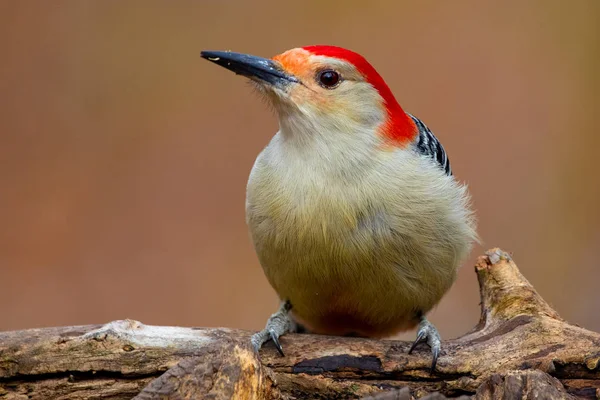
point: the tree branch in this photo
(520, 348)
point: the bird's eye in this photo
(328, 78)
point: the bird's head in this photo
(324, 89)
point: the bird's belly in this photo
(346, 272)
(373, 303)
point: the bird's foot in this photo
(427, 332)
(277, 325)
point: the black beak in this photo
(251, 66)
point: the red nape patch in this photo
(399, 127)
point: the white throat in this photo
(326, 144)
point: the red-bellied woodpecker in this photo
(353, 210)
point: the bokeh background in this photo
(124, 155)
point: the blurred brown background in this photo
(124, 155)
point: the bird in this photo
(357, 220)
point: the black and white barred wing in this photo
(428, 145)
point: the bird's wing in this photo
(428, 145)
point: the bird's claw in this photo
(277, 325)
(427, 332)
(275, 339)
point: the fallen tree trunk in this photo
(521, 348)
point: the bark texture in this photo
(521, 349)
